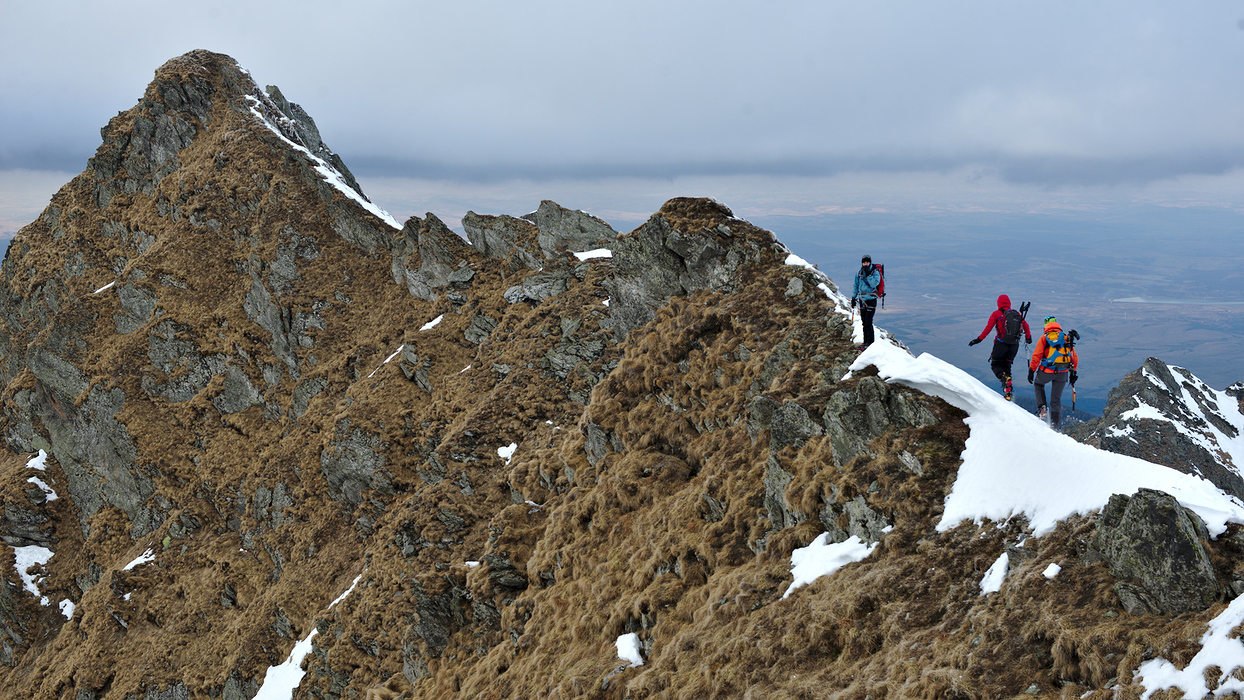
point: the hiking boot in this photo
(1006, 387)
(1043, 412)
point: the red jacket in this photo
(1038, 353)
(997, 321)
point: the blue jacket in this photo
(866, 284)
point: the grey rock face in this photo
(440, 253)
(23, 526)
(353, 463)
(57, 373)
(501, 237)
(599, 443)
(538, 287)
(791, 427)
(1185, 401)
(173, 352)
(97, 455)
(657, 261)
(238, 393)
(304, 392)
(854, 416)
(479, 329)
(570, 353)
(571, 231)
(438, 616)
(166, 122)
(137, 306)
(861, 521)
(1152, 539)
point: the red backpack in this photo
(881, 284)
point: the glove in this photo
(853, 300)
(1028, 340)
(1031, 374)
(1074, 377)
(973, 341)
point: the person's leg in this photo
(1000, 361)
(1058, 380)
(1039, 386)
(997, 361)
(867, 310)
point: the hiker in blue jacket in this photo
(865, 296)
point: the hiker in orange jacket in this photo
(1054, 362)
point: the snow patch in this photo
(507, 452)
(991, 582)
(67, 608)
(1051, 571)
(628, 649)
(280, 681)
(39, 461)
(387, 360)
(820, 559)
(47, 490)
(143, 558)
(592, 254)
(471, 564)
(26, 557)
(1217, 649)
(431, 324)
(103, 288)
(1014, 465)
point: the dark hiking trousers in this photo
(1056, 380)
(868, 309)
(1001, 358)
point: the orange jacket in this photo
(1038, 353)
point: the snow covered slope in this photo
(1014, 465)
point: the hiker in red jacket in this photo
(1008, 323)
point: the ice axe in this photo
(1072, 337)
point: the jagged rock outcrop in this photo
(1167, 415)
(271, 411)
(1152, 539)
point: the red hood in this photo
(1004, 302)
(1053, 326)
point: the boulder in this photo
(568, 230)
(1153, 540)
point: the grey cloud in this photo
(1119, 92)
(1046, 171)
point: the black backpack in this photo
(1014, 326)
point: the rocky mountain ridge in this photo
(1169, 416)
(452, 468)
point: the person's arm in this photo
(993, 321)
(1027, 333)
(1037, 354)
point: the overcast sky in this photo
(1048, 96)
